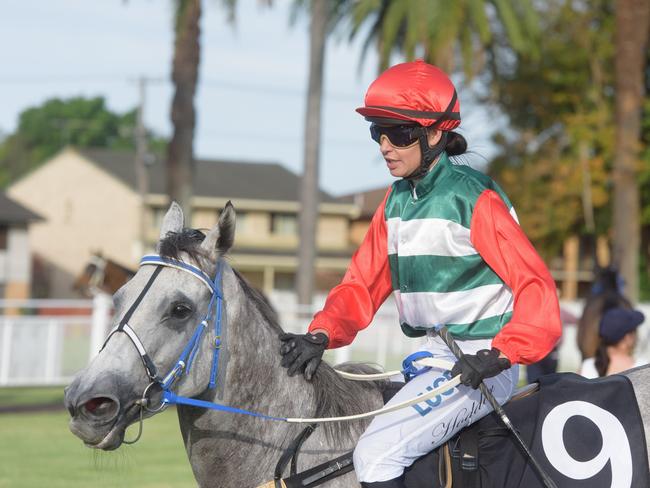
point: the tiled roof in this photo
(212, 178)
(12, 212)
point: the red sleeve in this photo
(535, 326)
(351, 305)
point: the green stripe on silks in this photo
(488, 328)
(440, 274)
(449, 191)
(403, 206)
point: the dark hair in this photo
(456, 144)
(602, 358)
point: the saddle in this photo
(455, 463)
(585, 433)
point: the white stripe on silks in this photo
(437, 237)
(514, 214)
(426, 309)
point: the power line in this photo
(207, 83)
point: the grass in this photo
(13, 396)
(38, 450)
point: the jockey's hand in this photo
(302, 353)
(474, 368)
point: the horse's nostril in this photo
(100, 407)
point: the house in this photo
(91, 203)
(15, 256)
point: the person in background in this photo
(618, 338)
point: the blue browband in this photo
(186, 358)
(156, 260)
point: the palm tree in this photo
(432, 29)
(308, 215)
(632, 22)
(324, 15)
(185, 71)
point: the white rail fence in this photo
(45, 342)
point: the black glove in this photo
(474, 368)
(302, 353)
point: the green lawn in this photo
(12, 396)
(38, 450)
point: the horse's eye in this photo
(180, 311)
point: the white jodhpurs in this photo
(394, 441)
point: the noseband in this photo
(186, 358)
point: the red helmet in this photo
(415, 92)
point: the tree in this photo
(632, 25)
(324, 16)
(433, 29)
(185, 69)
(308, 215)
(563, 125)
(45, 129)
(185, 72)
(556, 162)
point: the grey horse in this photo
(224, 449)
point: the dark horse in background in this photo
(102, 275)
(606, 293)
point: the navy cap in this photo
(617, 322)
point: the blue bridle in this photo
(185, 360)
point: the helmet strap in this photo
(429, 153)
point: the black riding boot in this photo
(394, 483)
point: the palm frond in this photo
(510, 23)
(479, 19)
(393, 21)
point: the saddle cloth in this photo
(585, 433)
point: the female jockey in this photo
(445, 241)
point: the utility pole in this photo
(141, 153)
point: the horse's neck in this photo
(242, 450)
(251, 378)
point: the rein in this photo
(214, 313)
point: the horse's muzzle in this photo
(97, 417)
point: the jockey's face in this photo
(402, 161)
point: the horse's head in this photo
(158, 317)
(101, 275)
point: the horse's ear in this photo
(222, 236)
(173, 221)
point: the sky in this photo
(252, 82)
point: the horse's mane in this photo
(335, 396)
(186, 241)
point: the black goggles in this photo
(398, 135)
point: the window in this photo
(4, 231)
(284, 224)
(245, 225)
(157, 216)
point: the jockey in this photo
(446, 242)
